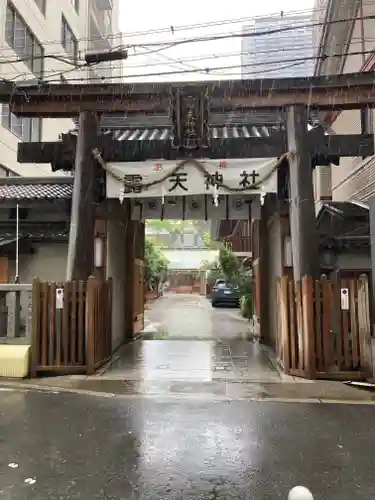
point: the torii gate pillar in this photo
(301, 193)
(81, 261)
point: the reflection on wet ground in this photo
(193, 342)
(189, 360)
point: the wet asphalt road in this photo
(87, 447)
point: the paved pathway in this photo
(192, 317)
(70, 447)
(191, 341)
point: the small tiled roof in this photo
(162, 134)
(222, 125)
(53, 231)
(23, 188)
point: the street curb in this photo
(185, 397)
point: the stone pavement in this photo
(190, 316)
(57, 446)
(188, 340)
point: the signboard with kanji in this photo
(250, 176)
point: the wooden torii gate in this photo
(198, 103)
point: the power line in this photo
(172, 62)
(36, 58)
(206, 71)
(189, 27)
(193, 40)
(284, 29)
(186, 60)
(212, 38)
(186, 27)
(206, 57)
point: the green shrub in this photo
(246, 303)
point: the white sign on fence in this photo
(345, 299)
(59, 298)
(189, 180)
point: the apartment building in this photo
(288, 53)
(354, 178)
(32, 31)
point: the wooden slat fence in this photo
(321, 335)
(99, 323)
(72, 335)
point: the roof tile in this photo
(35, 191)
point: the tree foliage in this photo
(214, 272)
(229, 264)
(156, 265)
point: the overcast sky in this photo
(150, 15)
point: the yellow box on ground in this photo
(14, 360)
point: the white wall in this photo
(189, 259)
(48, 263)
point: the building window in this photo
(68, 40)
(23, 41)
(27, 129)
(42, 6)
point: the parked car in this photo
(225, 294)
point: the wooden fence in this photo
(71, 326)
(324, 328)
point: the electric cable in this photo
(223, 68)
(189, 27)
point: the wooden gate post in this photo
(307, 286)
(35, 328)
(91, 324)
(284, 348)
(364, 325)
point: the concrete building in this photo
(34, 29)
(354, 179)
(278, 49)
